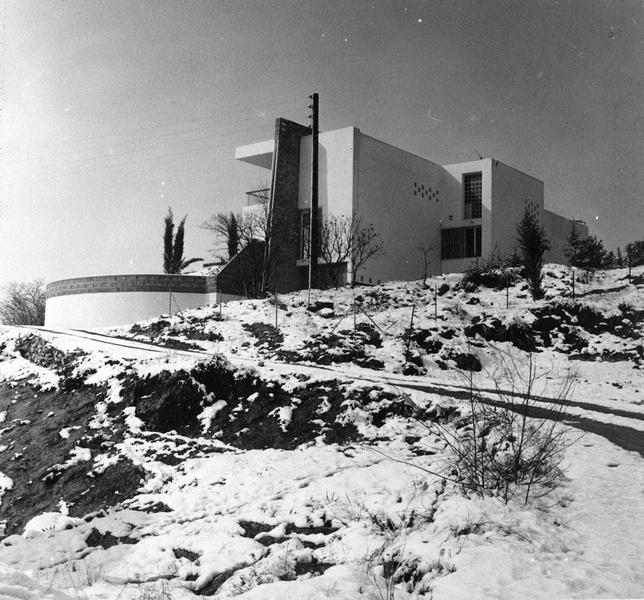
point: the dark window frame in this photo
(461, 242)
(472, 195)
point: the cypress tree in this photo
(173, 261)
(167, 242)
(177, 249)
(233, 236)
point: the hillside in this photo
(264, 449)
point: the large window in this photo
(473, 195)
(461, 242)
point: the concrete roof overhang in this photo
(259, 154)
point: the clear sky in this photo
(114, 110)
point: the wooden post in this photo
(220, 304)
(313, 224)
(435, 304)
(573, 283)
(275, 310)
(411, 325)
(507, 290)
(353, 291)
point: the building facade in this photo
(462, 213)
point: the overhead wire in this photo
(263, 106)
(139, 161)
(151, 137)
(154, 146)
(153, 149)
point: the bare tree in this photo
(335, 247)
(426, 249)
(235, 231)
(246, 236)
(346, 240)
(258, 224)
(24, 303)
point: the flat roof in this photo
(259, 154)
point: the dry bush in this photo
(511, 445)
(24, 303)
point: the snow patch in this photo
(209, 413)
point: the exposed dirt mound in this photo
(42, 433)
(252, 413)
(492, 329)
(494, 278)
(40, 352)
(166, 402)
(342, 347)
(268, 337)
(161, 331)
(566, 324)
(556, 314)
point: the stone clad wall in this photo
(112, 300)
(283, 246)
(132, 283)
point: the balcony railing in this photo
(257, 197)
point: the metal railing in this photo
(257, 196)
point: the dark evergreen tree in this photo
(533, 244)
(177, 247)
(167, 242)
(589, 254)
(572, 248)
(635, 253)
(232, 228)
(173, 260)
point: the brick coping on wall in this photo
(102, 284)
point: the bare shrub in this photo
(511, 445)
(24, 303)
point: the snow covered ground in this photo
(349, 518)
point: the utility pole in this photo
(313, 224)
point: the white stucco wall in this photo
(453, 209)
(512, 192)
(558, 230)
(80, 311)
(387, 178)
(335, 171)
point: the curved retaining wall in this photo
(123, 299)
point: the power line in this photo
(147, 128)
(135, 151)
(153, 136)
(148, 159)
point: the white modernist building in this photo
(465, 212)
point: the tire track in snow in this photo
(626, 437)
